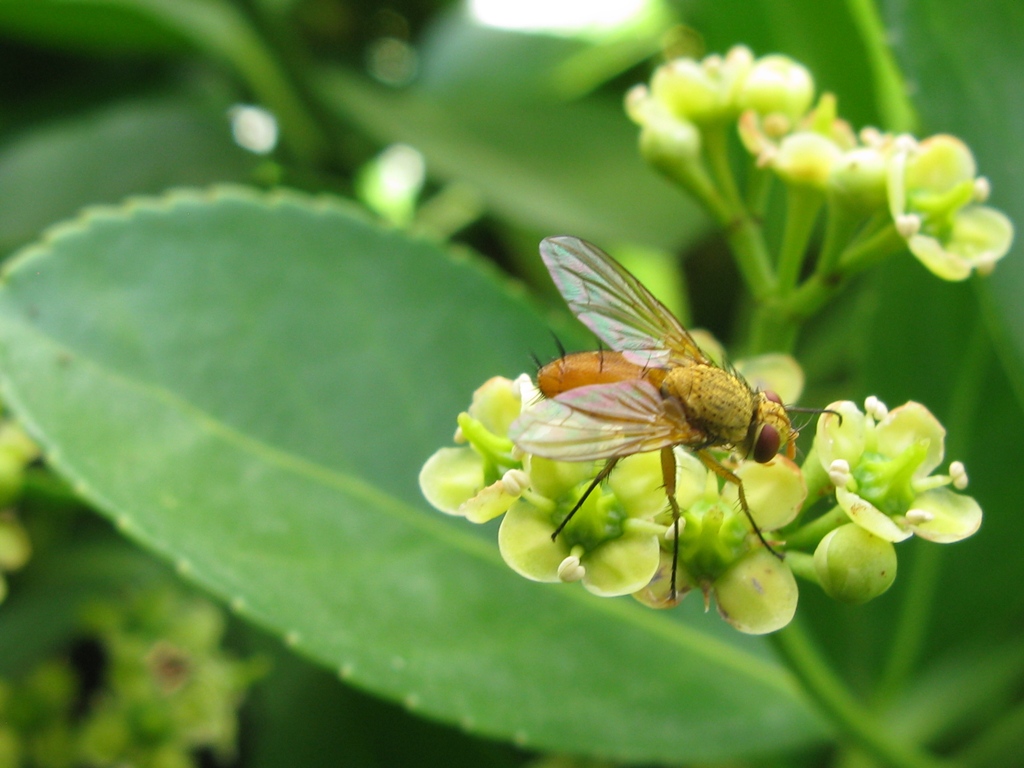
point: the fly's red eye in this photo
(769, 395)
(767, 445)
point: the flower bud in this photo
(777, 84)
(858, 179)
(854, 566)
(15, 547)
(704, 91)
(758, 594)
(806, 158)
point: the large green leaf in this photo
(249, 384)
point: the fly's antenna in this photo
(798, 409)
(536, 361)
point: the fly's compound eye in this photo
(767, 444)
(769, 395)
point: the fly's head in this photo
(770, 429)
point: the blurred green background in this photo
(509, 127)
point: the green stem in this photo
(810, 297)
(894, 105)
(840, 225)
(802, 566)
(802, 206)
(716, 148)
(870, 251)
(743, 233)
(746, 240)
(771, 331)
(811, 533)
(835, 700)
(759, 189)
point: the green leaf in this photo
(94, 27)
(135, 147)
(248, 385)
(300, 715)
(552, 166)
(218, 28)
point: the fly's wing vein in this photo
(616, 306)
(602, 421)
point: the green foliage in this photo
(247, 382)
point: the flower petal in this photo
(777, 372)
(496, 404)
(869, 517)
(906, 426)
(491, 502)
(622, 566)
(981, 236)
(638, 484)
(775, 491)
(524, 540)
(451, 477)
(954, 516)
(758, 594)
(840, 438)
(939, 261)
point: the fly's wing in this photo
(601, 421)
(616, 306)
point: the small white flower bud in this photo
(982, 189)
(571, 569)
(514, 482)
(871, 136)
(839, 473)
(905, 143)
(908, 225)
(958, 474)
(875, 408)
(459, 437)
(918, 516)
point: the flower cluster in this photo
(927, 193)
(623, 541)
(168, 691)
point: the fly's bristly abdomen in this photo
(581, 369)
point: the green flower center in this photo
(887, 481)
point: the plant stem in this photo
(810, 297)
(894, 105)
(810, 534)
(831, 695)
(742, 231)
(802, 566)
(802, 206)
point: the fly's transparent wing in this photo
(601, 421)
(615, 305)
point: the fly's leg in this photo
(668, 475)
(605, 471)
(715, 466)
